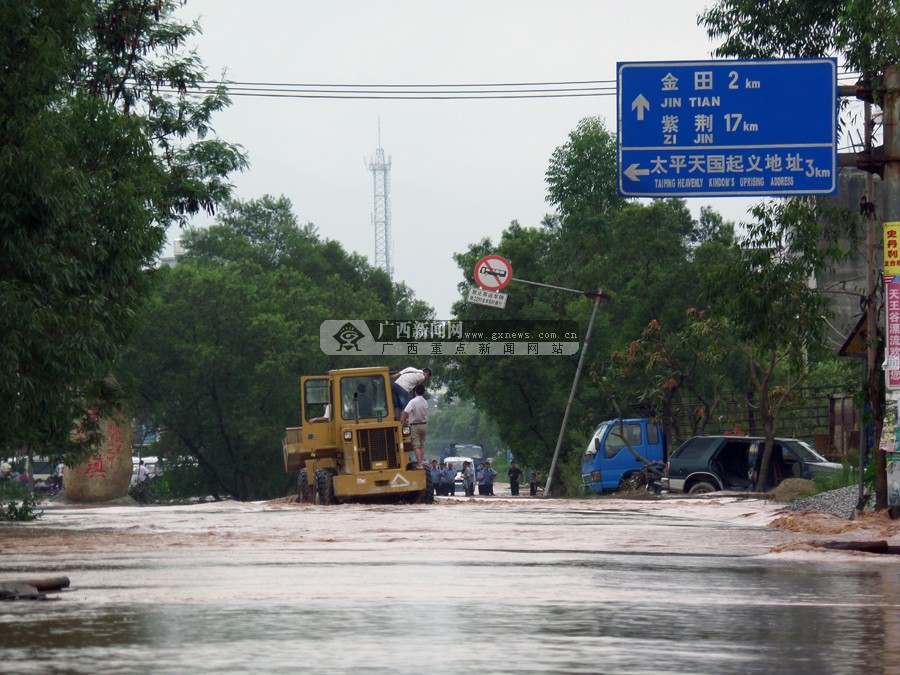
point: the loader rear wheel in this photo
(325, 488)
(303, 490)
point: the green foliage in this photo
(837, 480)
(460, 422)
(96, 159)
(231, 329)
(864, 32)
(645, 257)
(668, 370)
(579, 183)
(182, 481)
(21, 509)
(760, 287)
(657, 347)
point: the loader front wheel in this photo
(325, 487)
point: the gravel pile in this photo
(839, 503)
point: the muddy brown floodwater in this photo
(465, 585)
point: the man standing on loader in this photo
(404, 383)
(415, 415)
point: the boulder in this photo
(792, 488)
(105, 475)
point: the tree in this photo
(864, 33)
(95, 162)
(580, 183)
(761, 288)
(460, 422)
(641, 255)
(233, 326)
(666, 371)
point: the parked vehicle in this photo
(612, 458)
(351, 446)
(470, 451)
(457, 462)
(714, 463)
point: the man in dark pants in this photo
(489, 474)
(514, 474)
(450, 480)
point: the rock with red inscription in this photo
(105, 475)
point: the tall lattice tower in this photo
(381, 218)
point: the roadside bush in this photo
(835, 481)
(21, 510)
(570, 468)
(180, 482)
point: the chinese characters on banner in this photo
(357, 337)
(892, 300)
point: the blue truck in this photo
(610, 459)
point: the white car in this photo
(457, 463)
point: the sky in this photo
(461, 170)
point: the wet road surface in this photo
(464, 585)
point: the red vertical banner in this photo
(892, 301)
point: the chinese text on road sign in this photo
(727, 128)
(489, 298)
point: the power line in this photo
(418, 91)
(411, 86)
(409, 92)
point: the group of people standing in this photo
(408, 392)
(443, 477)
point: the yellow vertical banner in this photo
(891, 250)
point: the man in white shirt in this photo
(142, 472)
(404, 383)
(468, 479)
(415, 414)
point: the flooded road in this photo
(464, 585)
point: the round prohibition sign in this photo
(493, 273)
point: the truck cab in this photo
(350, 445)
(613, 454)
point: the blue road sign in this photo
(728, 128)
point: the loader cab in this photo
(318, 412)
(364, 397)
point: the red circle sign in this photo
(493, 273)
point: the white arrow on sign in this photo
(633, 172)
(642, 105)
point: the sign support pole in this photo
(598, 296)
